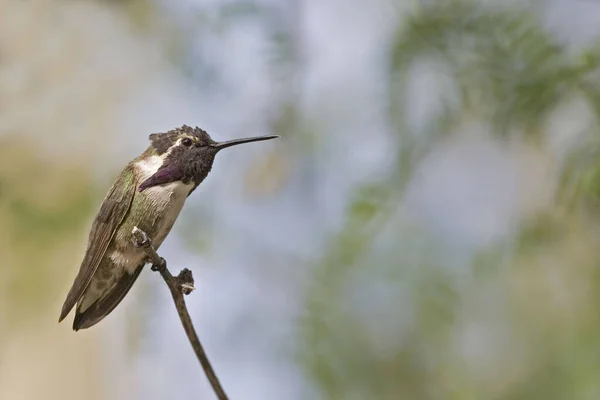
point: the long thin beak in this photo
(235, 142)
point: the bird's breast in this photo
(165, 202)
(160, 205)
(154, 211)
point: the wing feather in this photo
(112, 212)
(105, 305)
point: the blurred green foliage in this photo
(531, 300)
(43, 204)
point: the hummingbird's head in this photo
(188, 154)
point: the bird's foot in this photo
(140, 238)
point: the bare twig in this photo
(180, 285)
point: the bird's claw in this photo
(140, 238)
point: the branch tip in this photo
(178, 286)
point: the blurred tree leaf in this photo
(512, 74)
(511, 71)
(42, 207)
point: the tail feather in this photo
(107, 303)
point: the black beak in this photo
(235, 142)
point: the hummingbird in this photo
(149, 193)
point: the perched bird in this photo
(149, 193)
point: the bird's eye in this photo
(187, 142)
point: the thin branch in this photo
(180, 285)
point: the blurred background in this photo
(427, 227)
